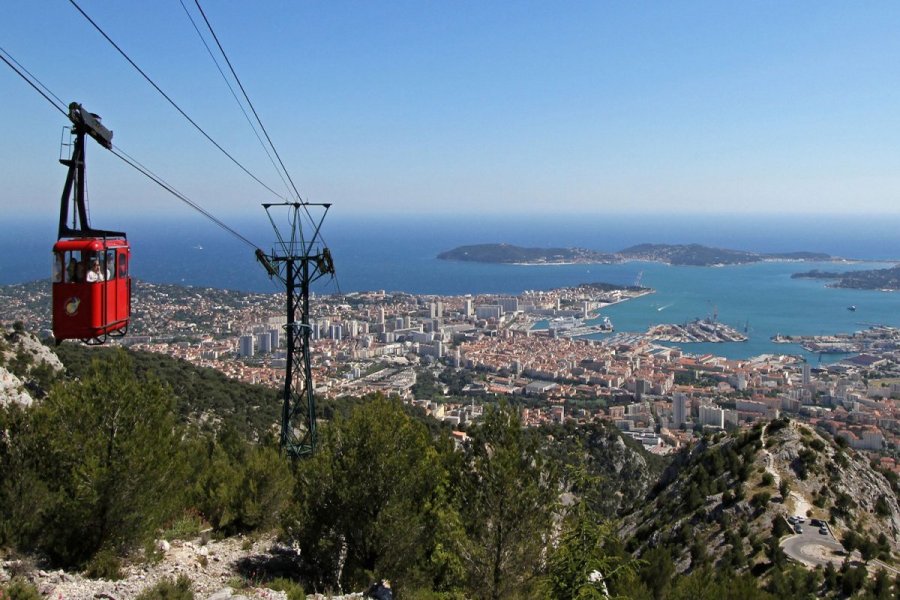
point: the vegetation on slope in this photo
(109, 461)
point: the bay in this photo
(398, 253)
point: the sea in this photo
(398, 252)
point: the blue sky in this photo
(463, 107)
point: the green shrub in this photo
(19, 589)
(98, 467)
(241, 487)
(186, 527)
(293, 589)
(104, 565)
(760, 499)
(169, 590)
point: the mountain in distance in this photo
(673, 254)
(507, 253)
(872, 279)
(699, 255)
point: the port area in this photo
(700, 330)
(875, 338)
(572, 312)
(573, 328)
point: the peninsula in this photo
(673, 254)
(509, 254)
(874, 279)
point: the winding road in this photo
(810, 547)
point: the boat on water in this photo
(852, 308)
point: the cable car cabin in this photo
(91, 289)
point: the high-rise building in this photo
(245, 349)
(679, 408)
(509, 305)
(488, 311)
(264, 342)
(275, 338)
(469, 307)
(807, 371)
(712, 416)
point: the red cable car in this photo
(91, 285)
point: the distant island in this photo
(673, 254)
(874, 279)
(509, 254)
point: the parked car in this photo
(823, 530)
(798, 529)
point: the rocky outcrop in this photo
(12, 390)
(212, 568)
(731, 483)
(25, 364)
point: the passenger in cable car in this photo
(71, 270)
(95, 274)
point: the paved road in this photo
(813, 548)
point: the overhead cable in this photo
(263, 127)
(33, 82)
(246, 97)
(235, 96)
(172, 102)
(124, 157)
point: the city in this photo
(516, 347)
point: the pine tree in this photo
(99, 460)
(367, 501)
(509, 499)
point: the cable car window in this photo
(123, 265)
(109, 265)
(58, 270)
(94, 269)
(74, 267)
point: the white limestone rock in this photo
(12, 390)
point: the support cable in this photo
(235, 96)
(119, 153)
(34, 82)
(308, 246)
(46, 93)
(247, 98)
(172, 102)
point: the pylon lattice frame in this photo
(298, 263)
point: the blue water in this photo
(397, 253)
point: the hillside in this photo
(698, 255)
(507, 253)
(390, 493)
(203, 395)
(674, 254)
(724, 502)
(871, 279)
(27, 368)
(626, 472)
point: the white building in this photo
(712, 416)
